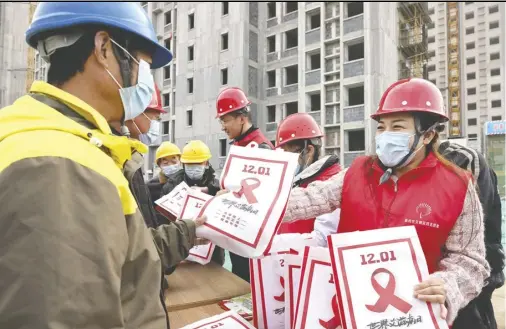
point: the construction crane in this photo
(31, 52)
(455, 128)
(414, 18)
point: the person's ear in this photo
(310, 151)
(103, 48)
(428, 137)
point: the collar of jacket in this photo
(240, 138)
(28, 114)
(316, 167)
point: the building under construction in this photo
(455, 129)
(413, 54)
(30, 72)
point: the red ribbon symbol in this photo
(387, 294)
(335, 321)
(247, 190)
(281, 298)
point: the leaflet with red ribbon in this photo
(245, 220)
(292, 275)
(227, 320)
(317, 304)
(268, 282)
(170, 205)
(377, 271)
(192, 205)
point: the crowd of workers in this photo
(82, 245)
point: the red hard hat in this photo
(229, 100)
(156, 101)
(297, 126)
(412, 95)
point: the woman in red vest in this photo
(409, 183)
(299, 133)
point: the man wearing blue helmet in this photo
(74, 249)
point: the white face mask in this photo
(194, 172)
(136, 98)
(153, 133)
(170, 169)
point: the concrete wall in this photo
(205, 69)
(381, 58)
(13, 51)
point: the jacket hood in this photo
(29, 114)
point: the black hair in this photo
(301, 144)
(241, 112)
(66, 62)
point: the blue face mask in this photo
(153, 133)
(171, 169)
(136, 98)
(392, 147)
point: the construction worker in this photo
(75, 251)
(408, 182)
(173, 239)
(198, 173)
(299, 133)
(234, 114)
(168, 161)
(146, 126)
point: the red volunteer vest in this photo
(307, 225)
(255, 136)
(429, 197)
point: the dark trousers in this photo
(478, 314)
(240, 266)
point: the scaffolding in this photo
(414, 17)
(31, 52)
(454, 69)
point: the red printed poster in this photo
(291, 275)
(170, 205)
(268, 283)
(317, 304)
(377, 272)
(192, 205)
(245, 220)
(228, 320)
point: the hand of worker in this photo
(432, 291)
(201, 241)
(199, 221)
(221, 192)
(201, 189)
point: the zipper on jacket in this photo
(387, 215)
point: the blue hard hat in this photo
(125, 16)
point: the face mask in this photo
(300, 168)
(392, 147)
(136, 98)
(195, 172)
(170, 169)
(153, 133)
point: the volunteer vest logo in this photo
(423, 210)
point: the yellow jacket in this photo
(74, 250)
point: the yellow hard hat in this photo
(195, 152)
(166, 149)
